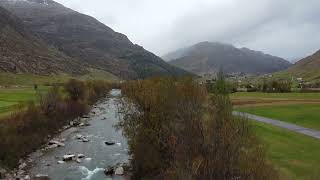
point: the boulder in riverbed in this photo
(41, 177)
(22, 166)
(51, 146)
(85, 139)
(60, 144)
(68, 157)
(80, 156)
(79, 136)
(85, 116)
(78, 160)
(60, 162)
(3, 173)
(109, 171)
(110, 143)
(119, 171)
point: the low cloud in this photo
(286, 28)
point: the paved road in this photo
(291, 127)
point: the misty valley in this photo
(185, 89)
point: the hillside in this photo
(20, 52)
(307, 68)
(208, 57)
(84, 38)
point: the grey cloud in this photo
(286, 28)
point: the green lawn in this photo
(307, 96)
(296, 156)
(31, 79)
(306, 115)
(11, 97)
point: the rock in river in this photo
(2, 173)
(81, 156)
(41, 177)
(68, 157)
(119, 171)
(109, 171)
(60, 144)
(110, 143)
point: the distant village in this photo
(243, 82)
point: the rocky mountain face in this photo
(208, 57)
(308, 67)
(21, 52)
(86, 39)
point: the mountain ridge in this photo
(210, 57)
(91, 42)
(21, 52)
(307, 68)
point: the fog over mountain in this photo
(211, 57)
(287, 28)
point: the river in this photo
(98, 155)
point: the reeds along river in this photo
(98, 155)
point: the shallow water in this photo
(97, 155)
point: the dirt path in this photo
(291, 127)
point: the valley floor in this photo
(11, 98)
(295, 155)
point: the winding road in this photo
(291, 127)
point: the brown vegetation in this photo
(27, 129)
(175, 130)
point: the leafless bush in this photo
(177, 131)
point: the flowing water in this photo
(98, 155)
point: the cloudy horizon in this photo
(288, 28)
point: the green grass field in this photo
(306, 115)
(10, 98)
(295, 156)
(31, 79)
(306, 96)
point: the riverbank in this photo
(91, 156)
(30, 127)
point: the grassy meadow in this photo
(276, 96)
(298, 108)
(296, 156)
(18, 89)
(12, 97)
(306, 115)
(9, 79)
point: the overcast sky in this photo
(285, 28)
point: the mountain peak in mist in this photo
(209, 57)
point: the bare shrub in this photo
(76, 89)
(27, 128)
(177, 131)
(97, 90)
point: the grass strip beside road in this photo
(305, 115)
(295, 155)
(287, 96)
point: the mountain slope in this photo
(307, 68)
(20, 52)
(208, 57)
(83, 37)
